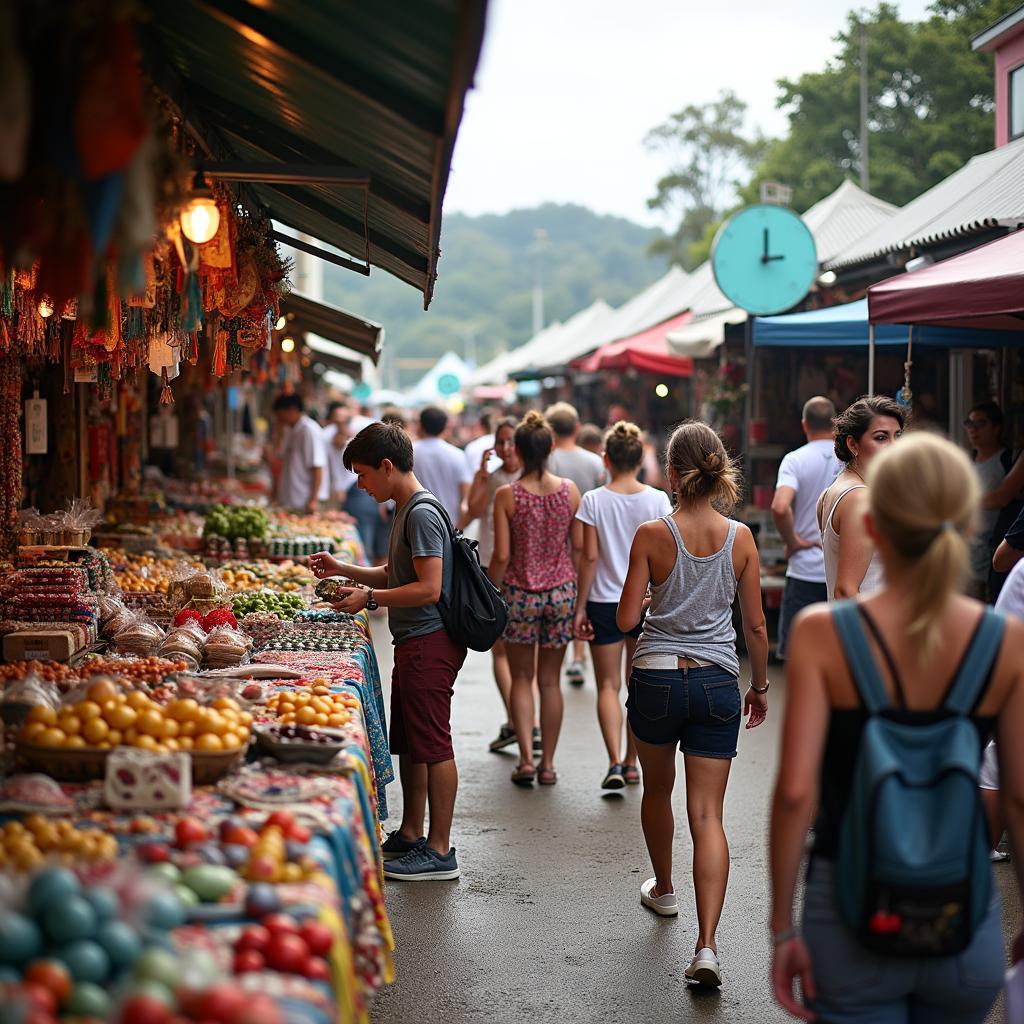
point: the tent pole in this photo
(871, 359)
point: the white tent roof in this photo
(552, 347)
(425, 390)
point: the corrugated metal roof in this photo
(374, 86)
(558, 347)
(840, 219)
(354, 332)
(987, 192)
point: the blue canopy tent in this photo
(847, 326)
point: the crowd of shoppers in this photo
(881, 645)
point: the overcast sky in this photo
(567, 89)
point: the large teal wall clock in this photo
(764, 259)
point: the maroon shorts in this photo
(421, 697)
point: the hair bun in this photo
(713, 464)
(533, 419)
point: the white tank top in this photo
(873, 578)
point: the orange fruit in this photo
(95, 730)
(217, 723)
(121, 716)
(151, 722)
(184, 742)
(172, 745)
(69, 723)
(208, 743)
(336, 721)
(138, 700)
(183, 709)
(170, 728)
(231, 740)
(115, 737)
(86, 709)
(187, 729)
(320, 720)
(101, 690)
(75, 741)
(51, 737)
(30, 732)
(144, 742)
(226, 704)
(42, 713)
(305, 716)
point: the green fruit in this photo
(88, 1000)
(160, 966)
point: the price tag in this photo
(86, 375)
(35, 425)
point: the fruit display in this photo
(139, 670)
(140, 574)
(311, 637)
(316, 705)
(282, 943)
(284, 606)
(234, 521)
(25, 845)
(109, 717)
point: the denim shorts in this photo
(698, 708)
(606, 630)
(856, 986)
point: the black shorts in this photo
(602, 618)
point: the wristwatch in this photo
(757, 691)
(371, 604)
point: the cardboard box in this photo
(40, 645)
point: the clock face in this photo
(764, 259)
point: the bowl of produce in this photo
(284, 606)
(293, 743)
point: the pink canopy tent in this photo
(980, 288)
(647, 352)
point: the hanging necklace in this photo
(856, 472)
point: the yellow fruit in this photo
(170, 728)
(183, 709)
(336, 721)
(231, 740)
(287, 719)
(69, 723)
(75, 741)
(286, 707)
(208, 743)
(305, 716)
(184, 742)
(51, 737)
(187, 729)
(291, 873)
(226, 704)
(245, 719)
(217, 723)
(172, 745)
(144, 742)
(151, 722)
(95, 730)
(101, 690)
(87, 709)
(30, 733)
(42, 713)
(115, 737)
(161, 748)
(138, 700)
(120, 716)
(130, 736)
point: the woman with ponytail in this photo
(918, 630)
(537, 543)
(684, 686)
(863, 431)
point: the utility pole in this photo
(865, 177)
(537, 249)
(469, 346)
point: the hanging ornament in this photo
(166, 395)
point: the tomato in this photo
(254, 937)
(240, 835)
(287, 953)
(277, 923)
(52, 975)
(248, 960)
(317, 936)
(316, 969)
(41, 998)
(284, 820)
(188, 831)
(300, 834)
(144, 1009)
(153, 853)
(220, 1003)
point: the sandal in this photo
(524, 775)
(631, 774)
(547, 777)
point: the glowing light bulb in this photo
(281, 323)
(661, 391)
(287, 344)
(201, 218)
(45, 307)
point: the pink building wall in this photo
(1009, 55)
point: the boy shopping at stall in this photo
(418, 571)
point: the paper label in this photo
(37, 653)
(86, 375)
(35, 426)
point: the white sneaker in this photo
(705, 968)
(666, 905)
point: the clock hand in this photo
(765, 257)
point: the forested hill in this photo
(485, 280)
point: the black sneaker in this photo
(422, 864)
(537, 745)
(505, 738)
(575, 673)
(615, 779)
(398, 846)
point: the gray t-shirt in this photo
(427, 538)
(583, 468)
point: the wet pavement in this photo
(546, 923)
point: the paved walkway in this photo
(545, 924)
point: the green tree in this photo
(708, 153)
(929, 106)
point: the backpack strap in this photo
(428, 499)
(976, 668)
(866, 676)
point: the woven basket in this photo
(82, 764)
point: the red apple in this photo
(220, 1003)
(188, 831)
(40, 997)
(276, 923)
(316, 968)
(300, 834)
(143, 1009)
(259, 1009)
(239, 835)
(248, 960)
(284, 820)
(153, 853)
(287, 953)
(317, 936)
(256, 937)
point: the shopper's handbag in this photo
(474, 612)
(913, 876)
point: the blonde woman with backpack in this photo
(935, 675)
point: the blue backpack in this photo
(913, 876)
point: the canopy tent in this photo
(847, 326)
(353, 111)
(699, 339)
(646, 351)
(982, 288)
(446, 377)
(559, 348)
(354, 332)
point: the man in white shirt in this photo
(803, 475)
(484, 441)
(303, 483)
(440, 466)
(585, 469)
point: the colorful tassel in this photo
(166, 395)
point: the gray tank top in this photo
(691, 612)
